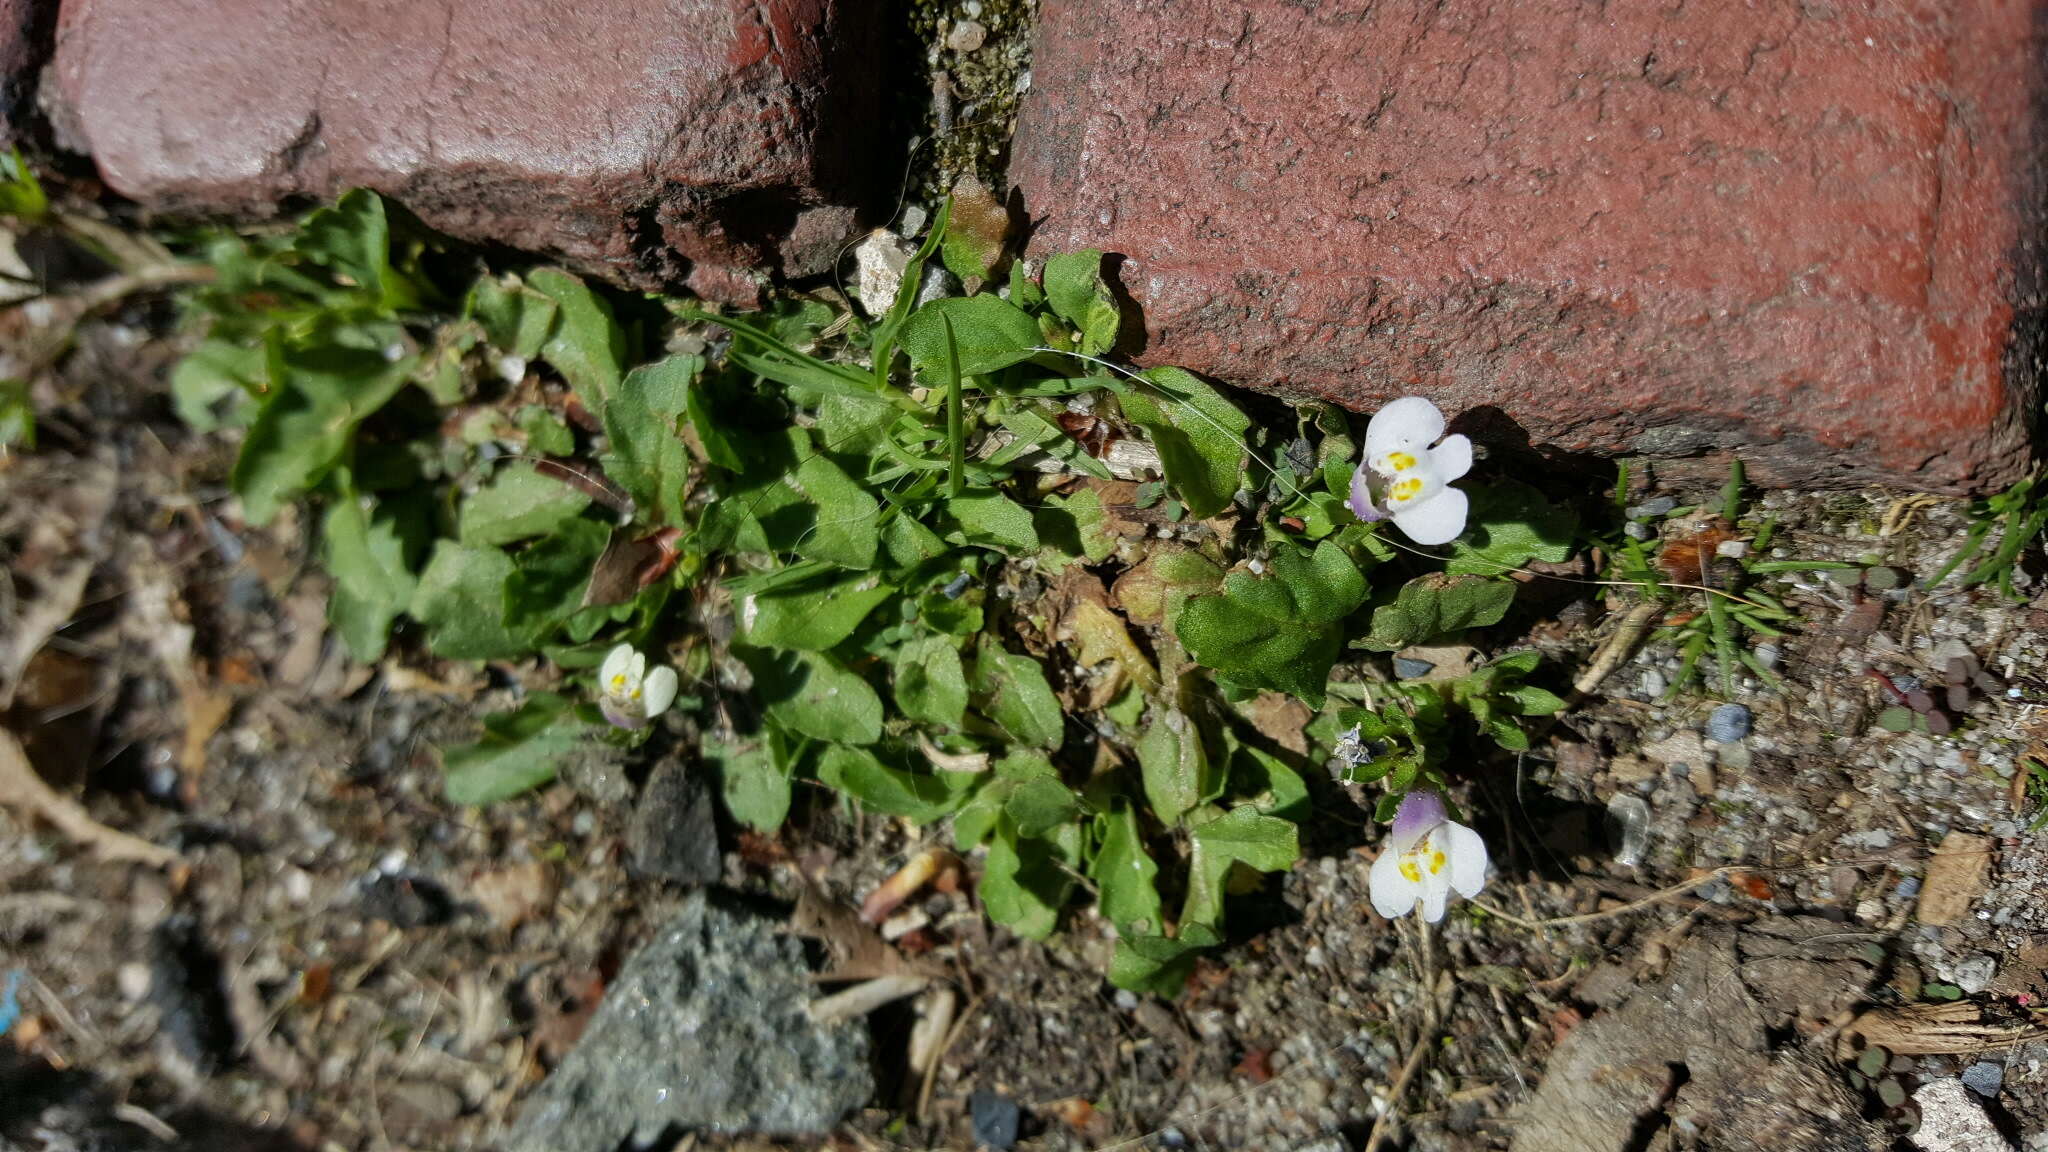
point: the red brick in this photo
(1805, 231)
(645, 139)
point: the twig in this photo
(1632, 906)
(1435, 1011)
(865, 997)
(101, 293)
(21, 788)
(146, 1120)
(67, 1020)
(931, 1072)
(51, 611)
(42, 902)
(1380, 1127)
(1617, 647)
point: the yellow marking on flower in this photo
(1411, 869)
(619, 683)
(1400, 461)
(1436, 861)
(1406, 489)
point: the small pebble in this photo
(1734, 757)
(133, 981)
(996, 1119)
(512, 370)
(1732, 549)
(1656, 507)
(1768, 655)
(1973, 973)
(967, 36)
(1635, 530)
(1729, 724)
(1409, 668)
(1654, 683)
(1984, 1078)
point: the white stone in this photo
(133, 981)
(879, 262)
(1951, 1120)
(967, 36)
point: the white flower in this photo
(629, 694)
(1426, 858)
(1404, 477)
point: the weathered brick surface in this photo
(647, 139)
(1805, 231)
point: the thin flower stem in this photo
(1657, 897)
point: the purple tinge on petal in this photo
(1420, 811)
(1362, 504)
(619, 716)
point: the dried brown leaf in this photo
(857, 949)
(1689, 559)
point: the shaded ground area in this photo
(340, 958)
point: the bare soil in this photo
(338, 958)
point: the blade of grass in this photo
(1731, 492)
(1694, 648)
(1762, 673)
(1724, 642)
(956, 434)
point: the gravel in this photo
(996, 1119)
(1974, 973)
(1984, 1078)
(1409, 668)
(674, 833)
(1729, 724)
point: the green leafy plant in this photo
(2036, 768)
(1404, 741)
(1280, 630)
(2018, 514)
(1716, 603)
(827, 521)
(21, 194)
(17, 415)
